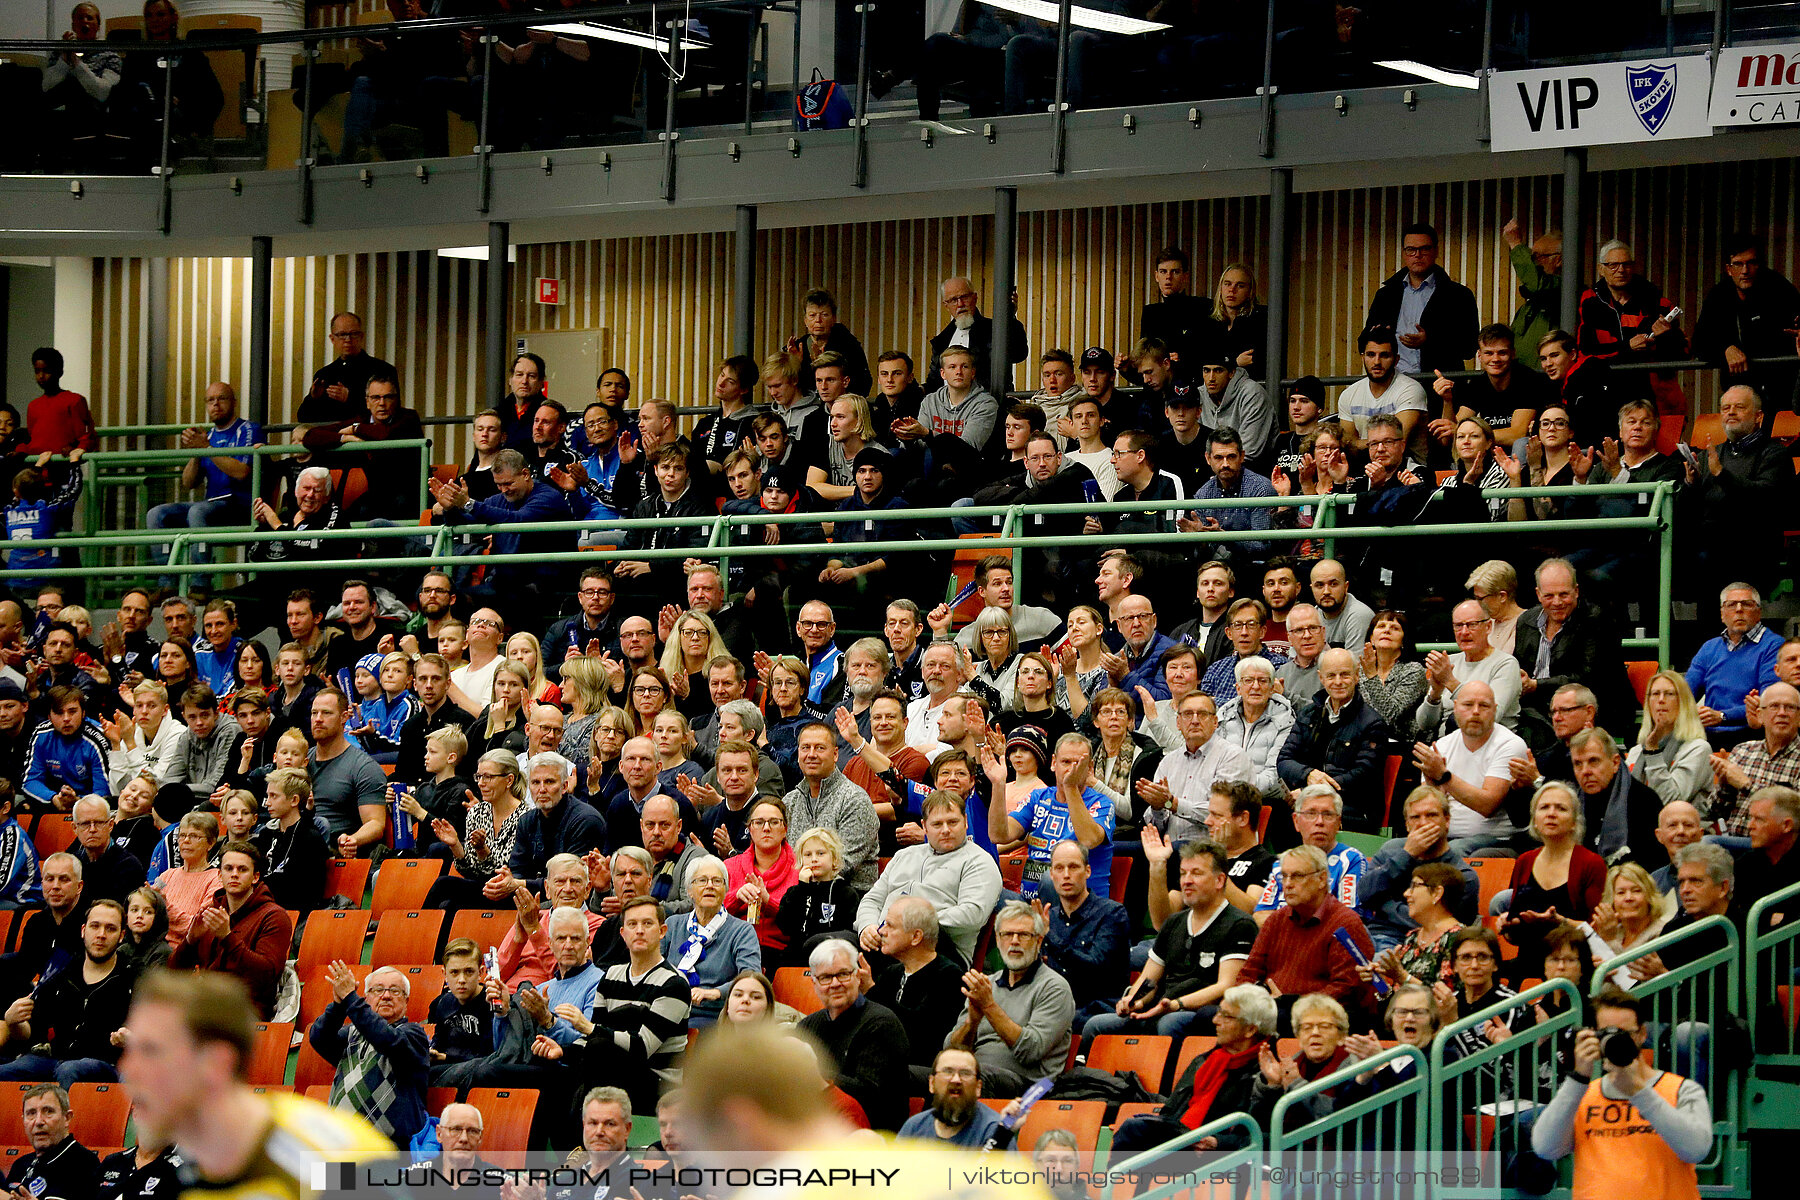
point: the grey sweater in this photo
(202, 763)
(846, 809)
(972, 420)
(1686, 1125)
(1044, 1007)
(961, 885)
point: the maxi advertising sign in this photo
(1757, 85)
(1654, 100)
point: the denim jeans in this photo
(66, 1071)
(195, 514)
(1175, 1024)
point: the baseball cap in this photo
(1182, 395)
(1095, 356)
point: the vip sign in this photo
(1600, 103)
(549, 291)
(1757, 85)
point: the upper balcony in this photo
(421, 130)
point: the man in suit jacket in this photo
(1582, 647)
(969, 328)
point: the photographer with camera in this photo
(1635, 1131)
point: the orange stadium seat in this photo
(1639, 672)
(505, 1116)
(403, 937)
(403, 883)
(1191, 1048)
(331, 935)
(1083, 1118)
(98, 1112)
(55, 833)
(485, 927)
(1495, 875)
(347, 877)
(794, 987)
(268, 1057)
(1146, 1056)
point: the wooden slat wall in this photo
(1083, 276)
(423, 313)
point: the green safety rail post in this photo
(1701, 992)
(1378, 1133)
(1772, 998)
(756, 549)
(1247, 1157)
(1477, 1098)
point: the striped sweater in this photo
(645, 1021)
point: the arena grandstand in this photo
(1134, 596)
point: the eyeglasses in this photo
(647, 690)
(1475, 956)
(1317, 1027)
(834, 976)
(1134, 618)
(957, 1073)
(1239, 624)
(487, 776)
(1618, 266)
(1313, 814)
(953, 301)
(346, 335)
(93, 824)
(384, 989)
(434, 591)
(1552, 423)
(1290, 876)
(596, 591)
(767, 823)
(1293, 629)
(1383, 442)
(817, 624)
(1471, 624)
(485, 622)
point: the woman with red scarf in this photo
(1216, 1083)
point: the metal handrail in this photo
(1681, 364)
(719, 545)
(1249, 1154)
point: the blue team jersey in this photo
(240, 433)
(1047, 822)
(53, 761)
(216, 665)
(1346, 864)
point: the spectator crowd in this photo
(954, 845)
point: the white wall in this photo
(73, 322)
(30, 300)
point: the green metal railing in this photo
(1772, 1094)
(1703, 992)
(719, 545)
(135, 469)
(1370, 1134)
(1480, 1096)
(1151, 1165)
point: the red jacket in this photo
(255, 950)
(58, 423)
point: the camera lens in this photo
(1618, 1047)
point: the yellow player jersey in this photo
(302, 1134)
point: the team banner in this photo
(1592, 104)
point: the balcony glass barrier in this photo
(142, 95)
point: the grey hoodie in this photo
(972, 420)
(202, 764)
(1245, 407)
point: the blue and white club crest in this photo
(1652, 92)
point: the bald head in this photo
(1338, 659)
(1475, 711)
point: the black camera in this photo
(1617, 1046)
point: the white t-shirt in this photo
(1492, 761)
(1099, 464)
(477, 685)
(1357, 403)
(922, 722)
